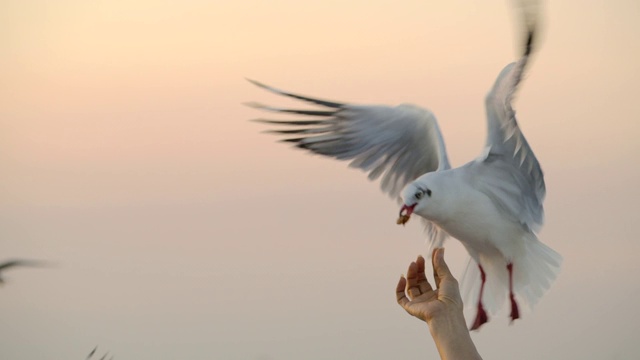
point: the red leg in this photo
(515, 313)
(481, 317)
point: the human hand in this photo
(440, 308)
(420, 299)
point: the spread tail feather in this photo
(538, 269)
(533, 274)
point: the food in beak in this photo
(405, 214)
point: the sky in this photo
(175, 229)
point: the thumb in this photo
(440, 268)
(448, 289)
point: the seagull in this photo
(493, 204)
(18, 262)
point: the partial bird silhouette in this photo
(19, 262)
(92, 352)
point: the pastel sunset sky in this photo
(177, 230)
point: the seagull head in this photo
(419, 197)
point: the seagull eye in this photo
(419, 194)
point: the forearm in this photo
(452, 337)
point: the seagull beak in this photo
(405, 214)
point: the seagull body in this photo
(492, 204)
(467, 208)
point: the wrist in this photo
(447, 323)
(451, 336)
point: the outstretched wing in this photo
(514, 180)
(396, 144)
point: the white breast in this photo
(477, 223)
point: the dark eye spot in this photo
(429, 192)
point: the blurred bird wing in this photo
(21, 262)
(92, 352)
(512, 177)
(395, 144)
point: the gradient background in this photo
(181, 232)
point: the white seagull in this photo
(492, 204)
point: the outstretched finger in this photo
(423, 283)
(433, 264)
(401, 297)
(413, 290)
